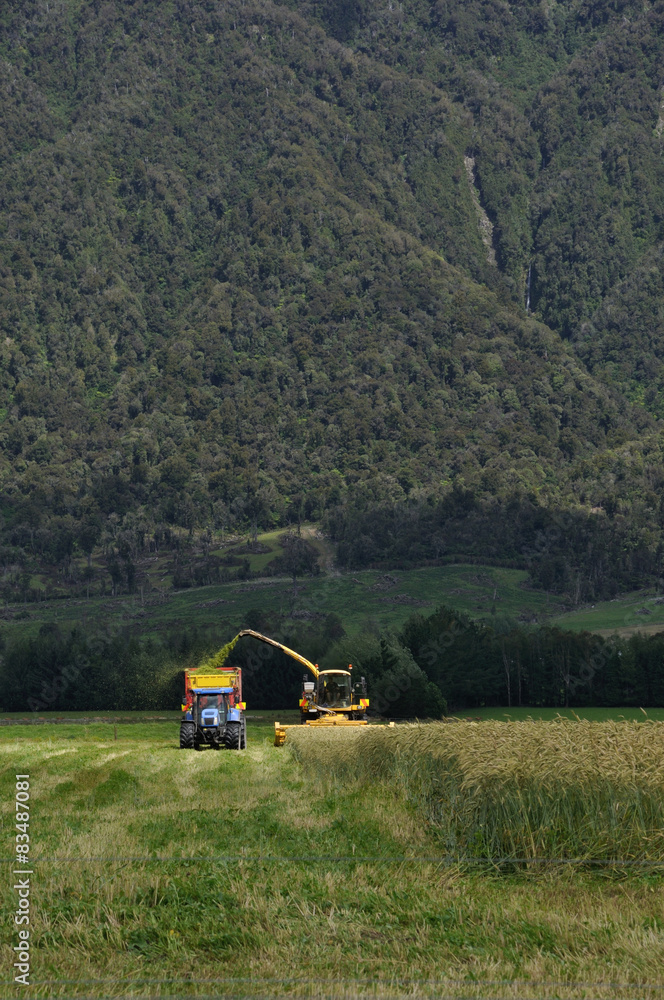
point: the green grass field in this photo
(160, 873)
(640, 611)
(379, 599)
(258, 719)
(386, 599)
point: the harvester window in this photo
(335, 691)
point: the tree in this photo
(300, 556)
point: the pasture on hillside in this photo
(164, 873)
(373, 599)
(384, 599)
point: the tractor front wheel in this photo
(187, 734)
(233, 736)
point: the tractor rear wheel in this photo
(187, 733)
(233, 735)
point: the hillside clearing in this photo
(383, 598)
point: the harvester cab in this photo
(213, 711)
(333, 693)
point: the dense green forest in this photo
(394, 268)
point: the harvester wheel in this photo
(233, 735)
(187, 733)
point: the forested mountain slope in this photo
(245, 277)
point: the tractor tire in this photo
(233, 735)
(187, 734)
(244, 735)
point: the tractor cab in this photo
(208, 708)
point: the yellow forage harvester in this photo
(330, 699)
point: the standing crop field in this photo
(535, 790)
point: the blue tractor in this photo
(213, 711)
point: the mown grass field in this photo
(163, 873)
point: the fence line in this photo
(445, 860)
(317, 996)
(358, 981)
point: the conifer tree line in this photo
(435, 664)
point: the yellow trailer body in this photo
(222, 678)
